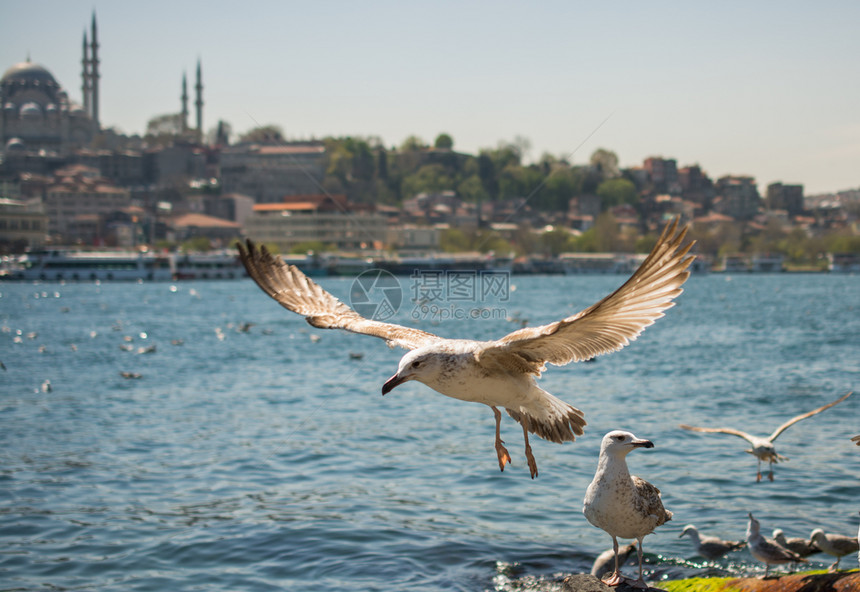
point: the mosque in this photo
(37, 115)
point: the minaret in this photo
(184, 104)
(85, 75)
(199, 102)
(94, 73)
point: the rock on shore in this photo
(800, 582)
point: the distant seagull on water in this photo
(500, 373)
(762, 448)
(622, 505)
(710, 547)
(767, 550)
(603, 564)
(837, 545)
(799, 545)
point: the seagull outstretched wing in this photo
(794, 420)
(300, 294)
(608, 325)
(729, 431)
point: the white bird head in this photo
(419, 364)
(619, 443)
(753, 527)
(692, 530)
(817, 535)
(778, 535)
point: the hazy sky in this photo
(769, 89)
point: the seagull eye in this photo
(416, 363)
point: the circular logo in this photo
(376, 294)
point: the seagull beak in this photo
(642, 444)
(393, 382)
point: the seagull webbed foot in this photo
(502, 453)
(532, 462)
(615, 579)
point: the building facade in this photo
(314, 218)
(23, 225)
(268, 173)
(79, 197)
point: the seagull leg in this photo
(615, 579)
(529, 456)
(640, 583)
(501, 451)
(758, 474)
(770, 470)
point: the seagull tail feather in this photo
(559, 423)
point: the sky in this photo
(767, 89)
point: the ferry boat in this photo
(216, 265)
(69, 265)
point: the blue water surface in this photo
(257, 458)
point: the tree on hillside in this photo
(430, 178)
(616, 192)
(265, 134)
(444, 142)
(606, 163)
(412, 143)
(487, 174)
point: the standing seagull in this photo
(837, 545)
(800, 546)
(766, 550)
(710, 547)
(623, 505)
(499, 373)
(762, 448)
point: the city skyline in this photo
(766, 91)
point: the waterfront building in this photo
(23, 224)
(331, 220)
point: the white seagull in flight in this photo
(500, 373)
(762, 447)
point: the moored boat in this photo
(72, 265)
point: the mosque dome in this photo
(28, 73)
(15, 144)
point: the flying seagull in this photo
(762, 447)
(622, 505)
(500, 373)
(766, 550)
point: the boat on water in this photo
(56, 265)
(216, 265)
(448, 262)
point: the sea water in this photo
(256, 453)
